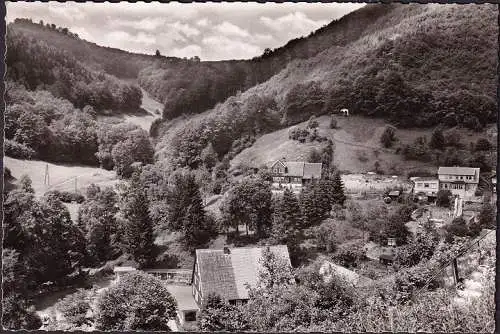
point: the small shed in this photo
(386, 258)
(121, 270)
(187, 309)
(394, 195)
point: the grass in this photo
(357, 146)
(61, 177)
(354, 137)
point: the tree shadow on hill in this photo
(241, 240)
(164, 258)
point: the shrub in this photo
(333, 122)
(17, 150)
(482, 144)
(443, 198)
(66, 196)
(74, 308)
(326, 238)
(138, 301)
(350, 255)
(312, 123)
(388, 136)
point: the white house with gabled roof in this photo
(461, 181)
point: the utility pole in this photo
(46, 180)
(454, 267)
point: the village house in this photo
(426, 186)
(228, 272)
(294, 174)
(461, 181)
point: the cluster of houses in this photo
(228, 273)
(462, 182)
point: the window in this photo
(190, 316)
(419, 184)
(426, 185)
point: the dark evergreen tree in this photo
(315, 203)
(136, 227)
(487, 216)
(437, 139)
(185, 211)
(337, 191)
(96, 217)
(287, 221)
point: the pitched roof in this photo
(305, 170)
(328, 269)
(228, 274)
(312, 170)
(183, 296)
(458, 170)
(424, 178)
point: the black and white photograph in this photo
(250, 167)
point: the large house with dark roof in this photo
(294, 174)
(227, 272)
(461, 181)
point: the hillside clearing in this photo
(61, 177)
(357, 146)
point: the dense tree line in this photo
(39, 125)
(358, 78)
(37, 65)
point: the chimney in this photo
(226, 250)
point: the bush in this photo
(66, 196)
(333, 122)
(388, 136)
(350, 255)
(16, 150)
(443, 198)
(482, 144)
(312, 123)
(326, 238)
(74, 308)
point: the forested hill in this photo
(415, 65)
(119, 63)
(188, 85)
(39, 64)
(191, 86)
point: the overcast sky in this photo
(212, 31)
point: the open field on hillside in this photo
(357, 146)
(356, 140)
(61, 177)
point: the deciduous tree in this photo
(138, 301)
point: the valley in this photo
(368, 147)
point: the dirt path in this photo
(151, 110)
